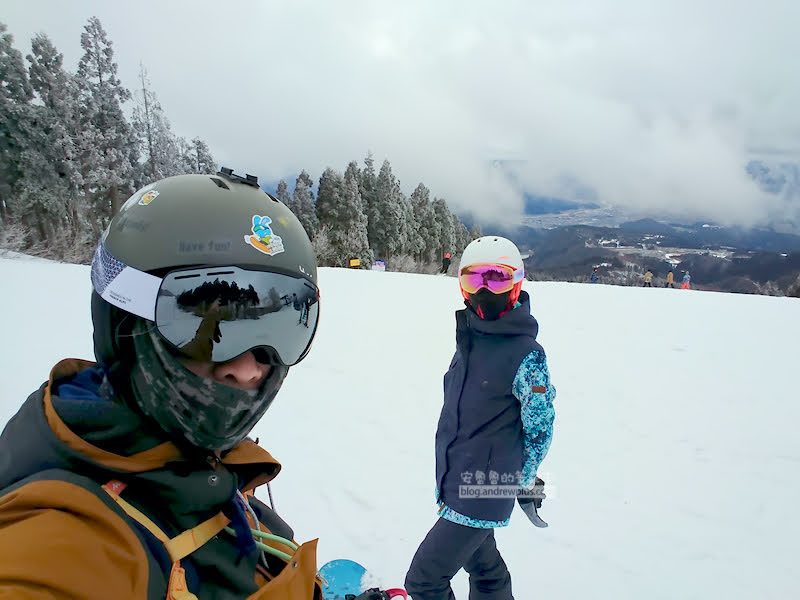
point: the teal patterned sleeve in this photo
(449, 514)
(536, 394)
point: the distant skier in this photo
(445, 263)
(495, 426)
(686, 281)
(670, 279)
(648, 279)
(594, 277)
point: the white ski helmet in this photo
(494, 250)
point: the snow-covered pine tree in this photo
(16, 118)
(410, 234)
(292, 200)
(195, 157)
(444, 224)
(282, 194)
(356, 239)
(426, 223)
(387, 213)
(367, 180)
(330, 212)
(58, 94)
(461, 234)
(106, 145)
(203, 161)
(340, 212)
(185, 155)
(158, 146)
(303, 204)
(52, 183)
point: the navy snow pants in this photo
(445, 550)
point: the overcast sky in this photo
(653, 104)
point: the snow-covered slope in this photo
(675, 465)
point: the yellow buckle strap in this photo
(137, 515)
(178, 547)
(190, 540)
(182, 544)
(177, 588)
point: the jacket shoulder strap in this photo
(177, 547)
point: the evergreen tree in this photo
(50, 190)
(356, 239)
(291, 202)
(367, 181)
(412, 242)
(203, 160)
(387, 213)
(282, 194)
(38, 204)
(330, 211)
(106, 144)
(444, 226)
(195, 157)
(426, 223)
(16, 118)
(303, 204)
(54, 87)
(68, 157)
(461, 235)
(157, 144)
(340, 212)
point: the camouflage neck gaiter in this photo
(190, 408)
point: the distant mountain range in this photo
(565, 240)
(718, 258)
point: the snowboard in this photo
(343, 577)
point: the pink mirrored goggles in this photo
(498, 279)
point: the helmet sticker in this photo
(148, 197)
(263, 239)
(134, 200)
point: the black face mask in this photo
(489, 306)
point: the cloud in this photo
(656, 106)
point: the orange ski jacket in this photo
(93, 504)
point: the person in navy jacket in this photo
(494, 430)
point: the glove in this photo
(531, 502)
(370, 594)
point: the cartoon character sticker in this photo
(263, 239)
(134, 200)
(148, 197)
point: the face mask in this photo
(190, 408)
(489, 306)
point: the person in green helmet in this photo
(133, 477)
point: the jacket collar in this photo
(517, 321)
(254, 464)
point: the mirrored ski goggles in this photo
(498, 279)
(214, 314)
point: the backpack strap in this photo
(178, 547)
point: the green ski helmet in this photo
(206, 267)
